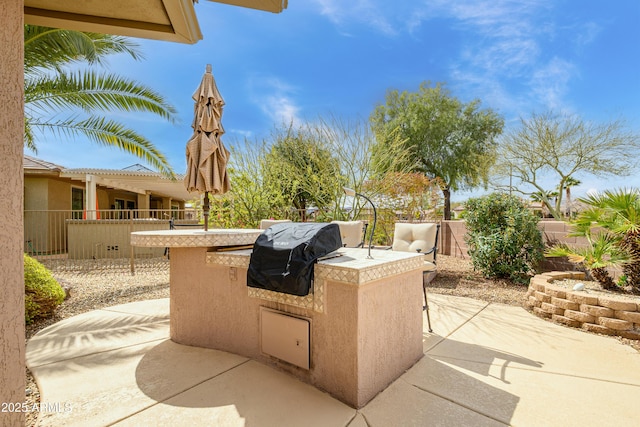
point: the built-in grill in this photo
(284, 255)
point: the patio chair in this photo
(266, 223)
(421, 238)
(352, 233)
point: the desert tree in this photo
(449, 140)
(302, 168)
(559, 147)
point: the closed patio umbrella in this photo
(206, 155)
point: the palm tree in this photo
(69, 102)
(619, 212)
(603, 251)
(547, 198)
(568, 183)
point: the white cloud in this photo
(276, 99)
(504, 47)
(380, 15)
(502, 44)
(587, 33)
(244, 133)
(549, 82)
(281, 109)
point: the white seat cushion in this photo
(410, 237)
(429, 266)
(351, 232)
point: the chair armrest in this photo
(434, 251)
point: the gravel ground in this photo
(94, 287)
(456, 277)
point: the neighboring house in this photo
(458, 211)
(48, 186)
(57, 199)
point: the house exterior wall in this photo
(48, 203)
(36, 197)
(36, 193)
(59, 194)
(42, 233)
(121, 195)
(12, 327)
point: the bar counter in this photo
(357, 331)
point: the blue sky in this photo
(333, 57)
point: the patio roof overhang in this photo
(136, 182)
(169, 20)
(275, 6)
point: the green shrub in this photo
(503, 237)
(42, 292)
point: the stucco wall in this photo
(451, 240)
(354, 339)
(36, 193)
(35, 198)
(12, 333)
(59, 195)
(97, 239)
(45, 233)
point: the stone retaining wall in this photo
(608, 315)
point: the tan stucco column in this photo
(90, 188)
(12, 336)
(166, 203)
(144, 201)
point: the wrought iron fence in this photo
(86, 240)
(92, 239)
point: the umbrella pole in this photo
(205, 208)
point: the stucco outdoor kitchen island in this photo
(357, 331)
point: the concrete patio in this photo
(484, 365)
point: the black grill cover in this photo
(284, 254)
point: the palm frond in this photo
(90, 91)
(54, 48)
(618, 210)
(28, 136)
(111, 134)
(604, 251)
(51, 91)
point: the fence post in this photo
(131, 253)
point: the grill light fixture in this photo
(352, 193)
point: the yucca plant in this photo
(68, 101)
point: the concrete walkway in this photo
(484, 365)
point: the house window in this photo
(77, 202)
(120, 205)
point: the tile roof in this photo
(37, 164)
